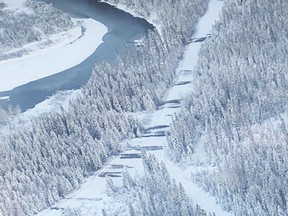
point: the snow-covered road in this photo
(91, 197)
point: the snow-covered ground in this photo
(56, 53)
(91, 197)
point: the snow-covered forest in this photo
(154, 194)
(231, 128)
(32, 24)
(238, 111)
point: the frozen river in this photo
(123, 29)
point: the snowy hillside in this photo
(192, 122)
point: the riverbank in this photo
(153, 19)
(64, 51)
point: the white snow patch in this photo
(190, 54)
(4, 98)
(208, 20)
(67, 49)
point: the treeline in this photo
(20, 28)
(154, 194)
(177, 18)
(49, 158)
(239, 109)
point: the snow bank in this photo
(67, 49)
